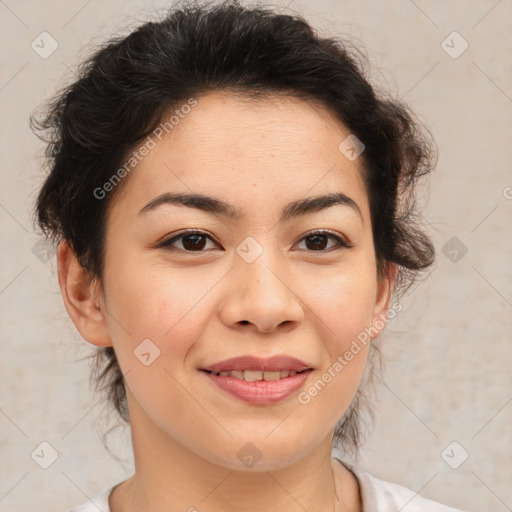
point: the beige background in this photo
(448, 356)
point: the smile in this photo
(256, 375)
(252, 387)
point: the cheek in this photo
(345, 304)
(155, 321)
(344, 308)
(152, 303)
(338, 306)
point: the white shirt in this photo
(377, 496)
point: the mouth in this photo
(250, 365)
(258, 375)
(258, 387)
(259, 380)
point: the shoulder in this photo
(97, 504)
(381, 496)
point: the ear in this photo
(82, 297)
(385, 286)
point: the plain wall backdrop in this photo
(448, 355)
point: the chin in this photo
(264, 455)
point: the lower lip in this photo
(261, 391)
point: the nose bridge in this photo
(259, 268)
(261, 293)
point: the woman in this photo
(234, 207)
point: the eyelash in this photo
(167, 244)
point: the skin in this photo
(203, 307)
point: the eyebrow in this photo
(218, 207)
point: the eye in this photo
(316, 240)
(195, 241)
(190, 241)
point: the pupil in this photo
(317, 237)
(195, 245)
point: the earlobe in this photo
(82, 297)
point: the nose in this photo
(260, 294)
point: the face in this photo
(256, 278)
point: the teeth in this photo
(253, 375)
(256, 375)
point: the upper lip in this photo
(274, 363)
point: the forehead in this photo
(270, 149)
(277, 126)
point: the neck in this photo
(169, 476)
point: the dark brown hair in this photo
(125, 87)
